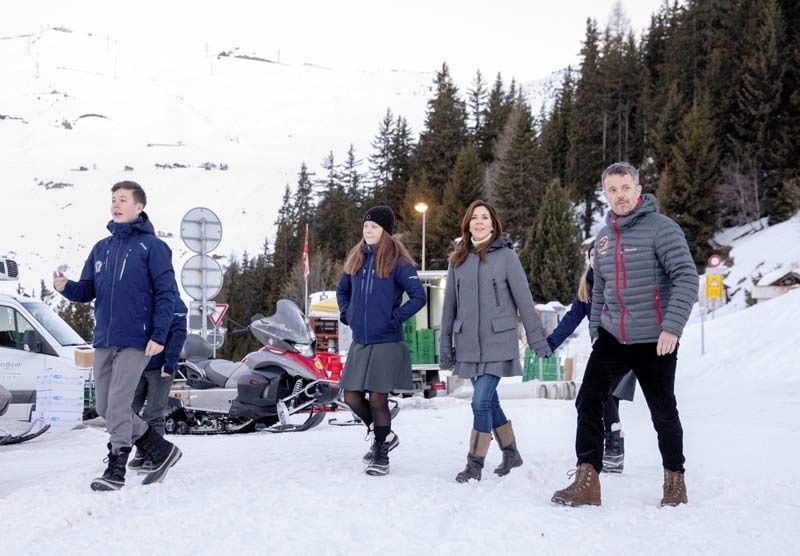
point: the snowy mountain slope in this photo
(283, 493)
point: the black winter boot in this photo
(614, 451)
(392, 439)
(137, 461)
(379, 465)
(114, 476)
(162, 453)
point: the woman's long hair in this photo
(584, 287)
(461, 252)
(388, 252)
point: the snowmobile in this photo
(283, 387)
(37, 428)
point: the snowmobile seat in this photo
(219, 371)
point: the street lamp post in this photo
(423, 208)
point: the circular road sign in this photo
(201, 223)
(714, 261)
(192, 277)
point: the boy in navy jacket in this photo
(130, 276)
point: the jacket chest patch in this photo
(98, 266)
(602, 245)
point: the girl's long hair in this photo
(584, 287)
(461, 252)
(388, 252)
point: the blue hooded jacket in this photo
(130, 276)
(572, 318)
(168, 359)
(371, 306)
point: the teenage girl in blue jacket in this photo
(377, 272)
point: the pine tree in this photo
(464, 187)
(80, 316)
(552, 256)
(688, 193)
(380, 161)
(444, 134)
(494, 120)
(520, 181)
(46, 294)
(586, 143)
(557, 130)
(283, 254)
(477, 105)
(420, 190)
(333, 216)
(759, 96)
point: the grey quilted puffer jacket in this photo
(645, 280)
(481, 301)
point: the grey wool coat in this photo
(481, 302)
(645, 280)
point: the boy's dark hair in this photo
(138, 193)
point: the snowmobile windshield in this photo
(286, 324)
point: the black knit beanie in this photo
(382, 216)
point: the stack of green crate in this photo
(530, 368)
(425, 346)
(410, 333)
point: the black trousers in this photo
(656, 376)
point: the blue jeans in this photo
(486, 411)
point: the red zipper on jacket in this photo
(619, 261)
(658, 306)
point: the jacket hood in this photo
(500, 243)
(141, 225)
(647, 204)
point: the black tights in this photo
(375, 412)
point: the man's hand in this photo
(153, 348)
(164, 375)
(667, 343)
(59, 281)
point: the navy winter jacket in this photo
(572, 318)
(131, 279)
(371, 306)
(168, 359)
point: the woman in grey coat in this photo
(486, 288)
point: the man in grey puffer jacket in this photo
(645, 284)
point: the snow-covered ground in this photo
(283, 494)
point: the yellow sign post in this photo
(714, 286)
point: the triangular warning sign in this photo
(219, 311)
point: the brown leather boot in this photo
(504, 435)
(584, 490)
(674, 489)
(478, 448)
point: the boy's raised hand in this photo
(153, 348)
(59, 281)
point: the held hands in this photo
(667, 342)
(153, 348)
(544, 352)
(446, 358)
(59, 281)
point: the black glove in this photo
(447, 358)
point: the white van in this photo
(33, 338)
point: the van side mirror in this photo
(33, 341)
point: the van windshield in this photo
(63, 333)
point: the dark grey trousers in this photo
(154, 389)
(116, 375)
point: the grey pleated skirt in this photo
(377, 368)
(502, 369)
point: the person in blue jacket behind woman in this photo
(377, 271)
(614, 447)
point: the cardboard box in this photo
(84, 358)
(62, 380)
(63, 420)
(59, 401)
(569, 365)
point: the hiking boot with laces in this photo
(674, 489)
(584, 490)
(114, 476)
(392, 439)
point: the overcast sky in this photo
(526, 39)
